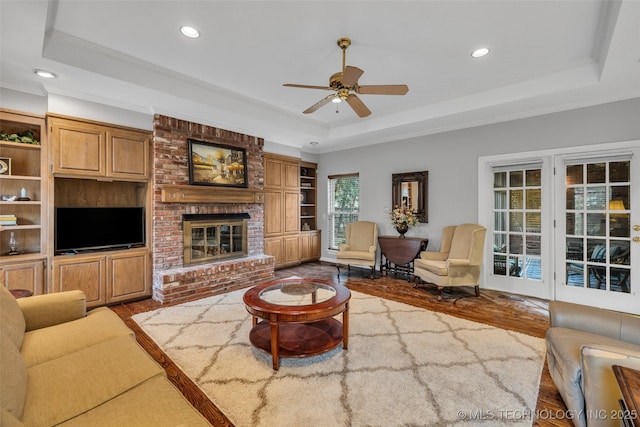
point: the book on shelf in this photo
(14, 222)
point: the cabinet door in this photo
(273, 211)
(305, 247)
(127, 154)
(291, 179)
(272, 173)
(315, 245)
(291, 250)
(274, 247)
(291, 212)
(26, 275)
(78, 148)
(128, 276)
(87, 274)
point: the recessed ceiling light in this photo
(45, 74)
(479, 53)
(190, 32)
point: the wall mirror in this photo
(410, 190)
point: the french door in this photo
(564, 224)
(520, 232)
(598, 229)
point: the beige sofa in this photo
(582, 345)
(60, 365)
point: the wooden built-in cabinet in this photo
(24, 275)
(90, 149)
(99, 165)
(28, 172)
(106, 277)
(290, 224)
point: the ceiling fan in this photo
(345, 84)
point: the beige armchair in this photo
(361, 246)
(459, 261)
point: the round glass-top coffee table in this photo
(298, 317)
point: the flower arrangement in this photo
(403, 217)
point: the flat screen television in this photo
(91, 229)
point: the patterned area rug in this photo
(404, 366)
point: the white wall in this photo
(452, 161)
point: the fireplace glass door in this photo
(206, 242)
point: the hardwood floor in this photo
(522, 314)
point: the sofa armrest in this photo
(372, 249)
(344, 247)
(45, 310)
(621, 326)
(601, 391)
(434, 256)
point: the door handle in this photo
(636, 228)
(636, 239)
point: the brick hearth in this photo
(171, 280)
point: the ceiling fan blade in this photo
(319, 104)
(351, 75)
(358, 106)
(307, 86)
(383, 89)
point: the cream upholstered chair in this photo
(459, 261)
(361, 246)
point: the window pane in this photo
(533, 222)
(596, 224)
(596, 173)
(344, 204)
(499, 180)
(575, 252)
(575, 198)
(575, 223)
(619, 172)
(596, 198)
(500, 200)
(515, 243)
(534, 178)
(533, 199)
(515, 199)
(500, 243)
(574, 174)
(515, 221)
(515, 179)
(533, 245)
(500, 221)
(619, 198)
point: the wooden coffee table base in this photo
(297, 339)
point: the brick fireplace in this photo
(173, 281)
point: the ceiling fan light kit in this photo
(345, 85)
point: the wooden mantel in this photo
(204, 194)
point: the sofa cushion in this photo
(65, 387)
(439, 268)
(45, 344)
(12, 321)
(155, 402)
(13, 378)
(366, 256)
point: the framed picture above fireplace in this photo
(217, 164)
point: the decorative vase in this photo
(402, 229)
